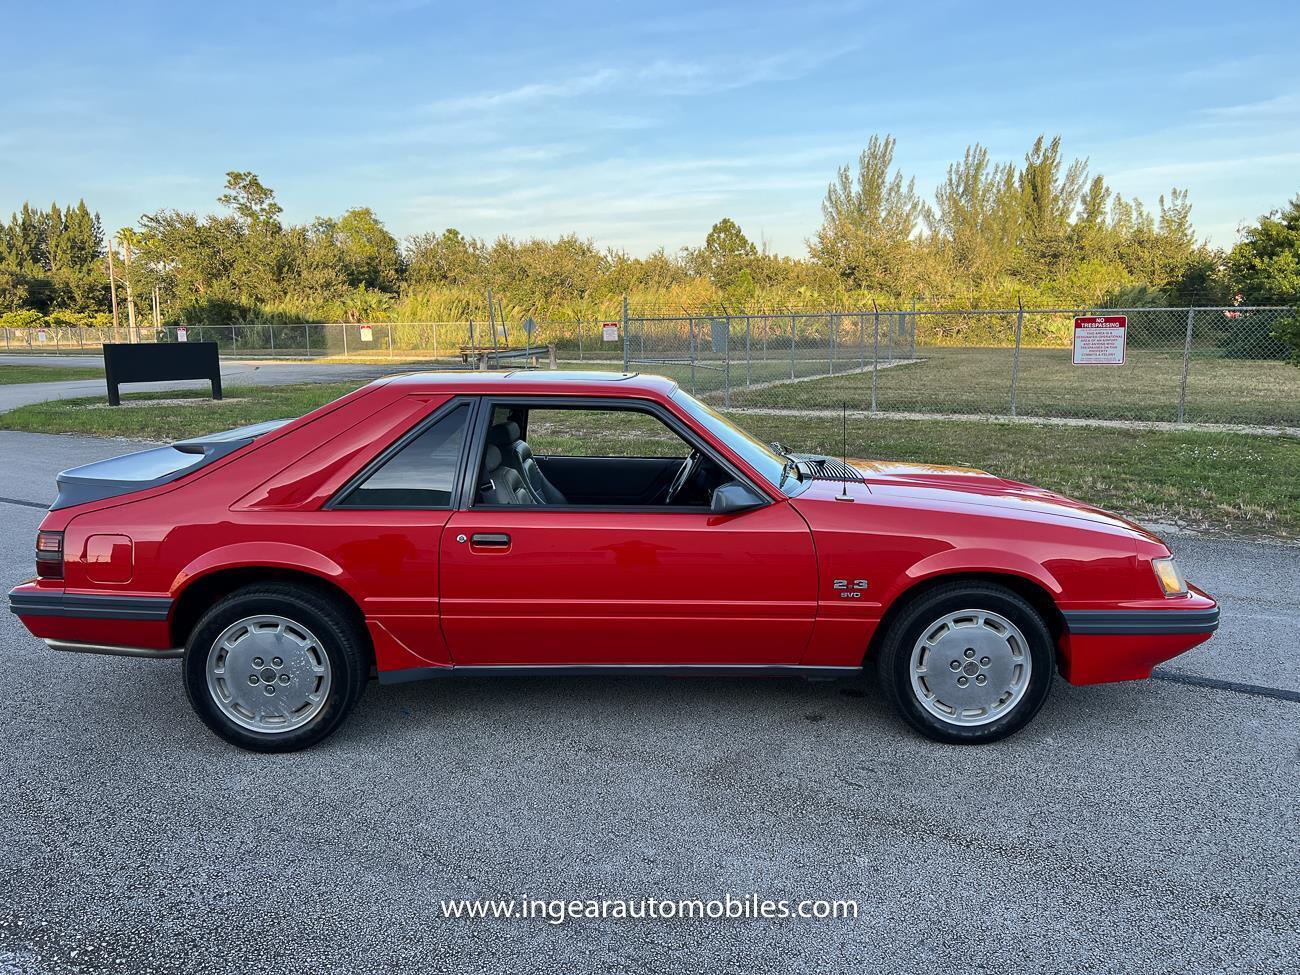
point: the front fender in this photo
(982, 561)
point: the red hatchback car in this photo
(445, 524)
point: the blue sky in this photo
(634, 125)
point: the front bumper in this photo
(1099, 646)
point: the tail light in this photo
(49, 555)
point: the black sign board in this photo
(150, 362)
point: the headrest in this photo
(491, 458)
(503, 433)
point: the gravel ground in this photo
(1137, 827)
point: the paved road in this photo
(234, 372)
(1138, 827)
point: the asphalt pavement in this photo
(1148, 826)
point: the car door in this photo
(627, 585)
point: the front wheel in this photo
(967, 663)
(275, 667)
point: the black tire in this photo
(341, 639)
(895, 654)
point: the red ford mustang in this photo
(446, 524)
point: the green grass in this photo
(1227, 483)
(974, 381)
(9, 375)
(174, 415)
(1220, 482)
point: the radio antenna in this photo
(844, 443)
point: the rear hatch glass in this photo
(149, 468)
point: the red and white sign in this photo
(367, 334)
(609, 331)
(182, 333)
(1100, 340)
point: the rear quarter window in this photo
(421, 474)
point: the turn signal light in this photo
(1170, 579)
(49, 555)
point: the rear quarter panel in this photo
(262, 507)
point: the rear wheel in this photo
(967, 663)
(275, 667)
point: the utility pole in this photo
(132, 333)
(112, 288)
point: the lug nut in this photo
(981, 679)
(955, 665)
(963, 681)
(270, 688)
(969, 653)
(284, 678)
(252, 678)
(277, 662)
(258, 662)
(985, 661)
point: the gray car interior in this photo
(511, 475)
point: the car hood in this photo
(967, 486)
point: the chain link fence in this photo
(1181, 365)
(444, 343)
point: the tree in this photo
(726, 255)
(1048, 199)
(252, 201)
(868, 223)
(446, 258)
(976, 217)
(371, 257)
(1264, 268)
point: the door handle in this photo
(490, 540)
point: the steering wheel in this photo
(683, 476)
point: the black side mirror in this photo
(732, 497)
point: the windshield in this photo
(755, 453)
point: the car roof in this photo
(552, 382)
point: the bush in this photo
(22, 319)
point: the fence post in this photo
(580, 324)
(390, 340)
(306, 335)
(693, 354)
(625, 339)
(792, 329)
(1015, 355)
(875, 354)
(726, 366)
(830, 335)
(903, 337)
(862, 343)
(1187, 355)
(749, 358)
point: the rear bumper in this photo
(1103, 645)
(134, 625)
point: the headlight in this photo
(1170, 579)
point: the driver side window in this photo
(585, 456)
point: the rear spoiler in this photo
(150, 468)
